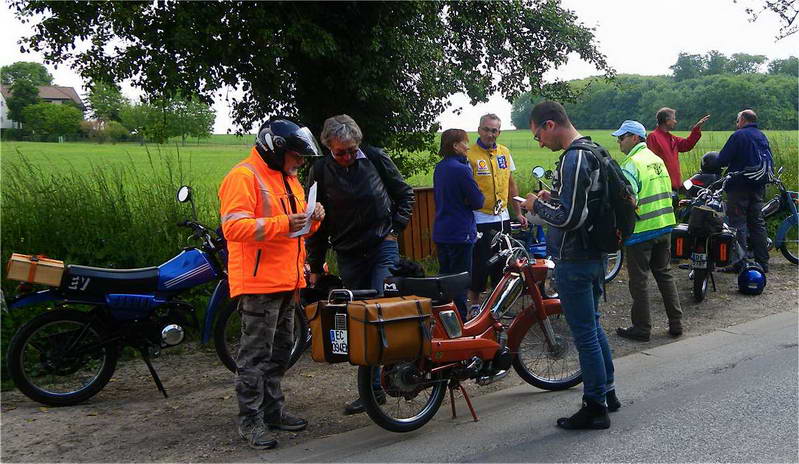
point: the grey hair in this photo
(342, 128)
(490, 116)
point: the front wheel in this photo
(701, 276)
(790, 243)
(227, 335)
(408, 398)
(615, 261)
(547, 358)
(60, 358)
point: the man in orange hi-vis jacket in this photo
(264, 221)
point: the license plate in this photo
(338, 341)
(699, 260)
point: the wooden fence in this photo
(416, 241)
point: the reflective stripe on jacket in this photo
(491, 170)
(650, 180)
(254, 208)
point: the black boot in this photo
(592, 415)
(613, 401)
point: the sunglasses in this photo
(492, 130)
(537, 135)
(349, 152)
(623, 136)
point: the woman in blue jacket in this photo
(456, 194)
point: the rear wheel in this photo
(227, 335)
(790, 245)
(615, 261)
(547, 357)
(701, 276)
(59, 359)
(409, 398)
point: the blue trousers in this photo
(454, 258)
(580, 286)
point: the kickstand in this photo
(713, 280)
(156, 379)
(452, 388)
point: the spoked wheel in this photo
(409, 398)
(615, 261)
(227, 335)
(547, 357)
(701, 276)
(790, 247)
(58, 358)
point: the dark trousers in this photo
(267, 331)
(482, 253)
(744, 210)
(454, 258)
(652, 256)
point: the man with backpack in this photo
(369, 204)
(648, 249)
(747, 152)
(578, 240)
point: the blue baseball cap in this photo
(633, 127)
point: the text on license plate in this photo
(699, 260)
(338, 341)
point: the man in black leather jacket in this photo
(368, 204)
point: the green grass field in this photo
(207, 162)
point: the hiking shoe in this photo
(254, 431)
(287, 422)
(592, 415)
(357, 406)
(675, 330)
(613, 401)
(631, 333)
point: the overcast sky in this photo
(637, 36)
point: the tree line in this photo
(114, 117)
(717, 85)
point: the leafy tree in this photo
(192, 118)
(49, 119)
(23, 94)
(390, 65)
(789, 66)
(688, 66)
(116, 131)
(105, 101)
(744, 63)
(36, 73)
(715, 62)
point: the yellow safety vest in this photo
(655, 209)
(491, 171)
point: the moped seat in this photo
(441, 289)
(86, 281)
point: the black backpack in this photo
(614, 220)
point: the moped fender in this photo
(789, 222)
(221, 293)
(35, 298)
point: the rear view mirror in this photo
(539, 172)
(184, 194)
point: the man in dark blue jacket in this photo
(580, 269)
(747, 152)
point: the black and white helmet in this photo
(277, 136)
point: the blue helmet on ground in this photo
(752, 279)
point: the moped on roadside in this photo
(519, 325)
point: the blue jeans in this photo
(365, 269)
(580, 286)
(454, 258)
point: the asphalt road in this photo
(727, 396)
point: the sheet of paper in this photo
(308, 212)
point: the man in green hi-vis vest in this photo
(648, 249)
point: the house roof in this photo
(51, 92)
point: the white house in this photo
(49, 94)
